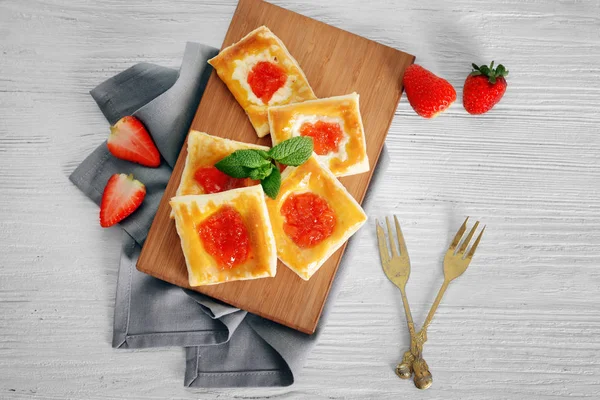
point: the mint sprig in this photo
(260, 164)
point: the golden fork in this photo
(455, 264)
(397, 268)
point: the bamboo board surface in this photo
(335, 62)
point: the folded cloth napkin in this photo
(226, 347)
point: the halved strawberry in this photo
(129, 140)
(122, 196)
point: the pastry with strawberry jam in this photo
(335, 126)
(225, 236)
(260, 72)
(199, 175)
(312, 217)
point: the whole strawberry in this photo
(484, 87)
(427, 93)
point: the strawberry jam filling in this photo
(265, 79)
(225, 237)
(214, 181)
(308, 219)
(326, 136)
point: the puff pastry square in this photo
(335, 125)
(204, 150)
(313, 179)
(260, 72)
(247, 204)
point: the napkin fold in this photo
(153, 313)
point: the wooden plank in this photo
(336, 62)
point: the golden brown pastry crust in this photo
(190, 211)
(352, 158)
(234, 62)
(204, 150)
(313, 177)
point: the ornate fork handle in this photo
(413, 359)
(413, 362)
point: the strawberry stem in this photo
(491, 73)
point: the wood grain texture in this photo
(336, 63)
(522, 323)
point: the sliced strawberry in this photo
(122, 196)
(129, 140)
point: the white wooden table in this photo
(523, 322)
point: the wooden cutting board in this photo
(335, 62)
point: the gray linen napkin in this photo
(225, 346)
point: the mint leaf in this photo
(272, 183)
(240, 163)
(249, 158)
(294, 151)
(264, 154)
(261, 172)
(231, 167)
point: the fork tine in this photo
(474, 247)
(401, 241)
(465, 242)
(383, 250)
(391, 237)
(459, 234)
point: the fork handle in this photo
(404, 369)
(413, 361)
(423, 378)
(409, 319)
(435, 304)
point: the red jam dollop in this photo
(225, 237)
(326, 136)
(265, 79)
(214, 181)
(308, 219)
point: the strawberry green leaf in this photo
(489, 72)
(501, 71)
(272, 183)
